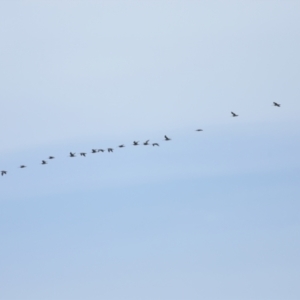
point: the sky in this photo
(210, 215)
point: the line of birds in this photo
(110, 150)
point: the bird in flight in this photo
(101, 150)
(44, 162)
(234, 115)
(135, 143)
(276, 104)
(146, 143)
(72, 154)
(167, 139)
(110, 149)
(199, 129)
(94, 151)
(83, 154)
(155, 144)
(51, 157)
(3, 173)
(22, 166)
(121, 146)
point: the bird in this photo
(101, 150)
(167, 139)
(51, 157)
(44, 162)
(155, 144)
(72, 154)
(3, 173)
(234, 115)
(110, 149)
(146, 143)
(22, 166)
(276, 104)
(135, 143)
(94, 151)
(199, 129)
(83, 154)
(121, 146)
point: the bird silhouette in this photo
(146, 143)
(3, 173)
(135, 143)
(51, 157)
(155, 144)
(44, 162)
(72, 154)
(234, 115)
(110, 149)
(199, 129)
(22, 166)
(167, 139)
(101, 150)
(94, 151)
(276, 104)
(83, 154)
(121, 146)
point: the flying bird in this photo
(110, 149)
(121, 146)
(135, 143)
(22, 166)
(3, 173)
(167, 139)
(51, 157)
(83, 154)
(101, 150)
(199, 129)
(234, 115)
(146, 143)
(72, 154)
(276, 104)
(44, 162)
(155, 144)
(94, 151)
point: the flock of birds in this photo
(135, 143)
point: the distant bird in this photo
(146, 143)
(51, 157)
(22, 166)
(135, 143)
(276, 104)
(110, 149)
(3, 173)
(72, 154)
(121, 146)
(234, 115)
(44, 162)
(83, 154)
(167, 139)
(199, 129)
(94, 151)
(155, 144)
(101, 150)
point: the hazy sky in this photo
(210, 215)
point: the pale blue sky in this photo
(211, 215)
